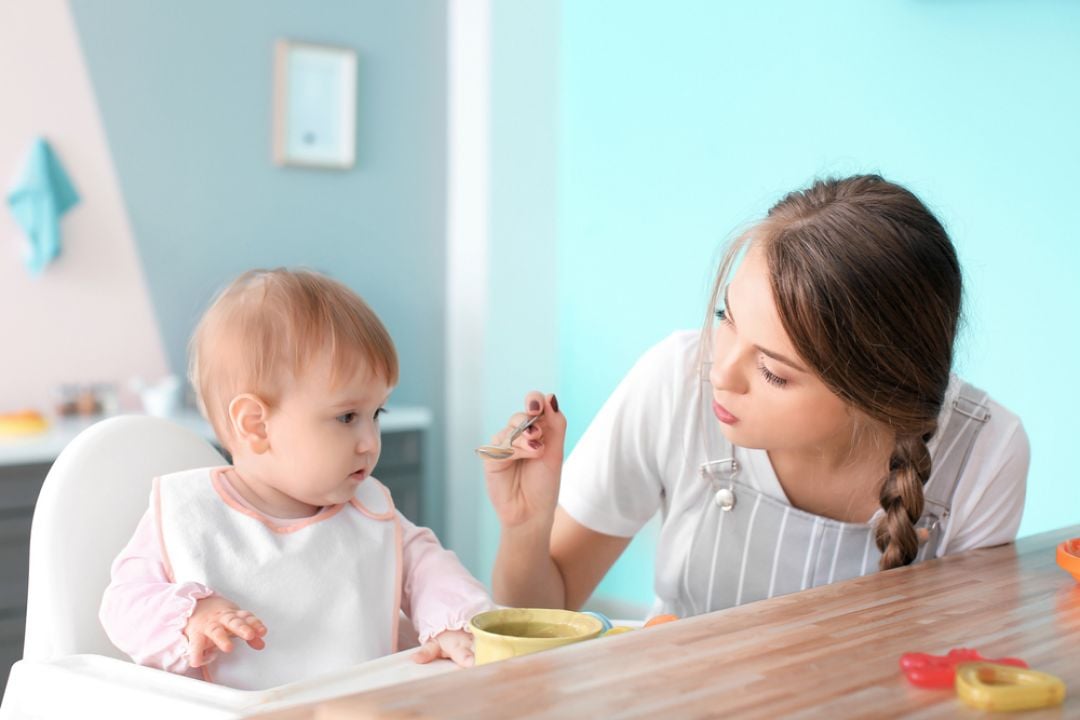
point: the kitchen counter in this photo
(44, 447)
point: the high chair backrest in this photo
(91, 501)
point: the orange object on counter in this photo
(660, 620)
(1068, 557)
(24, 422)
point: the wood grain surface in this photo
(828, 652)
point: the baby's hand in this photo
(454, 644)
(213, 625)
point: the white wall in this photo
(468, 50)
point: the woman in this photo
(812, 432)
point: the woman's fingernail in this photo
(554, 403)
(534, 405)
(534, 444)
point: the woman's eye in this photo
(346, 418)
(722, 316)
(770, 377)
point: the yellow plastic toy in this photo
(987, 686)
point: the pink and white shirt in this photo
(329, 588)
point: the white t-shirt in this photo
(643, 451)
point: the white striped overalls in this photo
(750, 546)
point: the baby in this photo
(295, 549)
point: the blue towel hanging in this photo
(41, 195)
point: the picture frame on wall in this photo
(314, 123)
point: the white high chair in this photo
(88, 508)
(91, 501)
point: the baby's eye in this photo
(378, 413)
(346, 418)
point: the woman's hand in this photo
(457, 645)
(213, 625)
(524, 489)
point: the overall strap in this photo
(969, 413)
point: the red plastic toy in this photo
(939, 671)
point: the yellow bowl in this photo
(502, 634)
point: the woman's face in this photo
(764, 395)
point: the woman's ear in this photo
(248, 415)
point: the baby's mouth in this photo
(358, 475)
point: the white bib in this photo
(328, 588)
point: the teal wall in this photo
(682, 121)
(521, 337)
(184, 90)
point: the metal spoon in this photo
(505, 450)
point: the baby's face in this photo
(325, 439)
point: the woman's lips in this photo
(723, 415)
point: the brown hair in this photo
(868, 288)
(268, 325)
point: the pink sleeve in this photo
(143, 613)
(439, 593)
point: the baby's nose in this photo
(366, 443)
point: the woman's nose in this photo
(726, 372)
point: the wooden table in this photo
(827, 652)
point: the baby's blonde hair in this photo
(267, 326)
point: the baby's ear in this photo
(248, 415)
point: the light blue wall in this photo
(185, 93)
(521, 334)
(681, 121)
